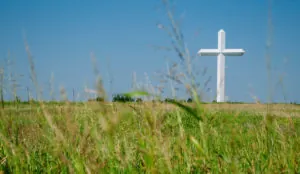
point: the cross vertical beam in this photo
(221, 78)
(221, 40)
(221, 67)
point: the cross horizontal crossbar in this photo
(209, 52)
(226, 52)
(233, 52)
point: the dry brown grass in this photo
(282, 110)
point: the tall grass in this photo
(141, 138)
(144, 137)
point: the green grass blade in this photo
(188, 109)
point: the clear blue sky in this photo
(62, 34)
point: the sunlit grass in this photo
(139, 139)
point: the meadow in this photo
(147, 137)
(106, 137)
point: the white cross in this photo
(221, 52)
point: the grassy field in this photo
(149, 138)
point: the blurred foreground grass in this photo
(146, 137)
